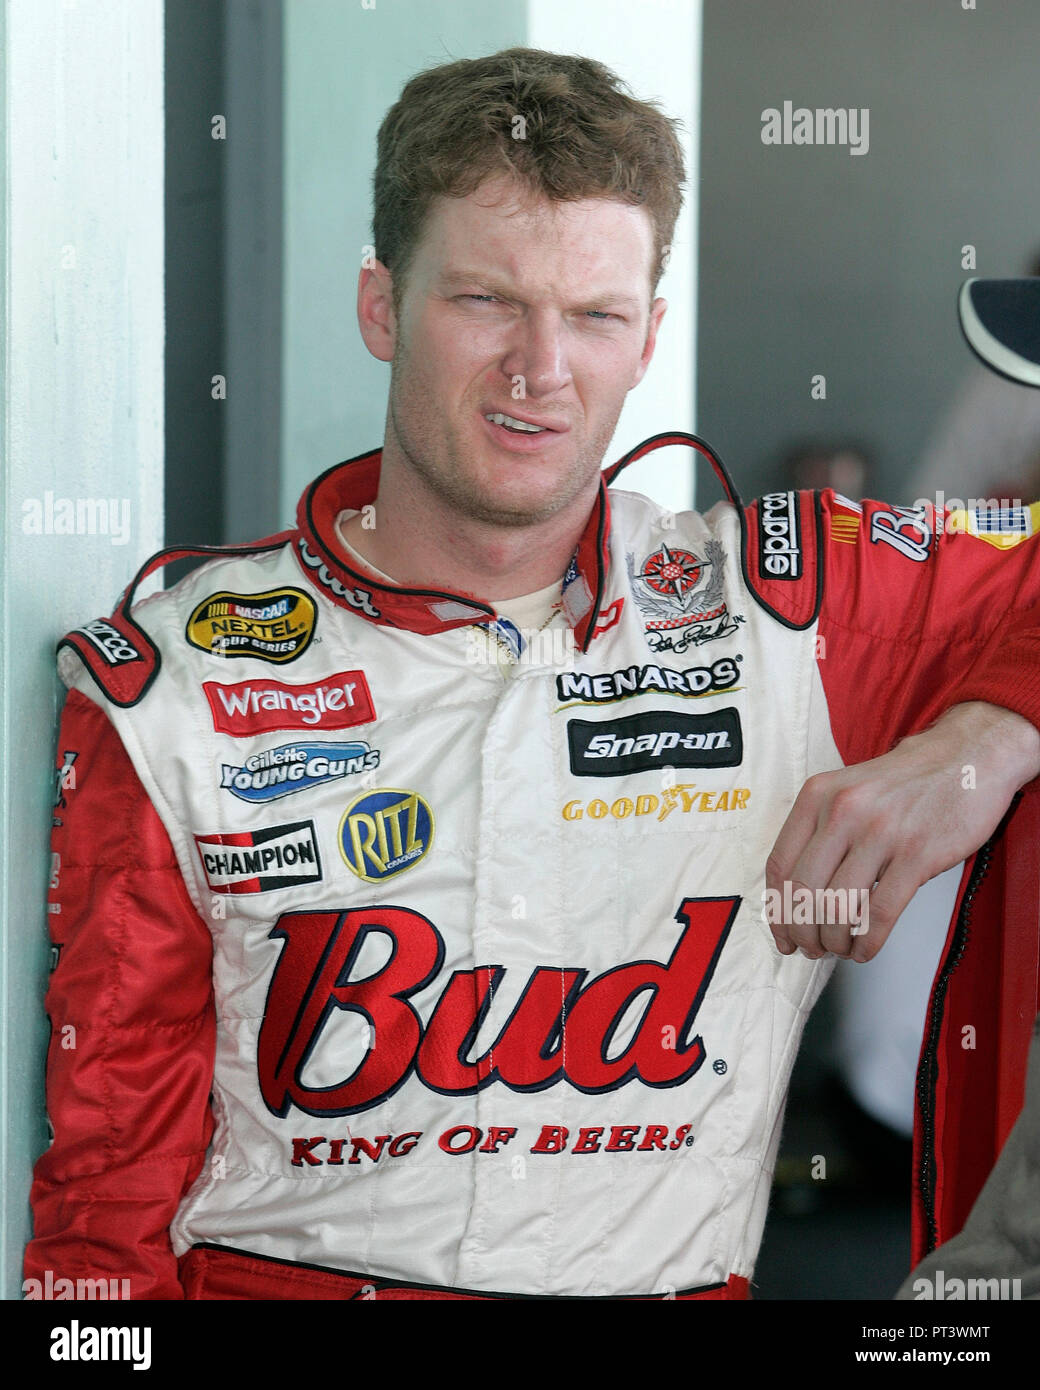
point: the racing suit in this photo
(407, 955)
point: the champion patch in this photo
(260, 861)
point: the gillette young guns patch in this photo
(273, 626)
(295, 767)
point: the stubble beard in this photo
(429, 457)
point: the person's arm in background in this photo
(130, 1002)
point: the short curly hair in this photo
(564, 126)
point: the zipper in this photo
(928, 1072)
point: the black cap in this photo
(1001, 321)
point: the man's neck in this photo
(421, 543)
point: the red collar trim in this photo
(353, 485)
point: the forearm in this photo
(996, 744)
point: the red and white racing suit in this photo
(398, 968)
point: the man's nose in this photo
(538, 352)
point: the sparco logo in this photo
(110, 642)
(656, 739)
(360, 599)
(257, 707)
(779, 537)
(259, 861)
(608, 686)
(294, 767)
(564, 1026)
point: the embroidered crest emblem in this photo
(680, 595)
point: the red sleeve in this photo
(130, 1061)
(913, 622)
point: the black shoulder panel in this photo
(121, 658)
(781, 555)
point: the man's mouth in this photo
(517, 426)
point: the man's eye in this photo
(600, 314)
(482, 298)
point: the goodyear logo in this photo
(274, 626)
(384, 832)
(684, 797)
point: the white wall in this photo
(81, 228)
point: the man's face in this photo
(523, 308)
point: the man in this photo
(550, 1057)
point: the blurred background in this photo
(186, 207)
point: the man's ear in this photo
(375, 310)
(657, 310)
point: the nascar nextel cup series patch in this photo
(274, 626)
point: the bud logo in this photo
(655, 739)
(110, 642)
(243, 863)
(384, 832)
(274, 626)
(257, 707)
(294, 767)
(779, 537)
(562, 1028)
